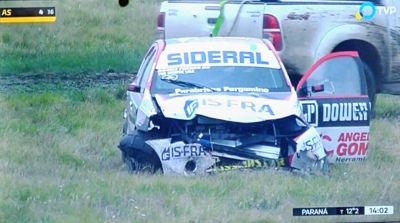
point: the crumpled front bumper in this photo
(177, 157)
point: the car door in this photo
(334, 98)
(136, 90)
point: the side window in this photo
(147, 69)
(341, 75)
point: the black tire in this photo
(371, 84)
(140, 163)
(124, 155)
(140, 157)
(125, 128)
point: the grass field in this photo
(59, 163)
(58, 156)
(88, 36)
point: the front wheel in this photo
(124, 155)
(142, 163)
(138, 155)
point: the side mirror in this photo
(134, 88)
(318, 88)
(123, 3)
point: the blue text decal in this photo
(216, 57)
(187, 150)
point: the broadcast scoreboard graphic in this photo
(354, 210)
(28, 15)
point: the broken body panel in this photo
(209, 131)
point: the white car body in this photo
(241, 83)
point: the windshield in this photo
(220, 79)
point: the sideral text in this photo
(217, 57)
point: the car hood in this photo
(242, 108)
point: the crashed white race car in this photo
(207, 104)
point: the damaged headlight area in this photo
(205, 145)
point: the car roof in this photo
(219, 39)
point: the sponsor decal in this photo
(192, 104)
(217, 57)
(247, 105)
(183, 151)
(329, 152)
(345, 112)
(174, 71)
(350, 160)
(223, 89)
(190, 107)
(310, 140)
(172, 77)
(146, 104)
(312, 144)
(310, 110)
(294, 16)
(252, 164)
(349, 146)
(337, 112)
(195, 90)
(353, 144)
(172, 12)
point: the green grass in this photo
(387, 106)
(59, 163)
(58, 156)
(87, 36)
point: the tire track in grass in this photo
(28, 83)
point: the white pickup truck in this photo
(302, 31)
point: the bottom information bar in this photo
(351, 210)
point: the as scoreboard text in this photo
(28, 15)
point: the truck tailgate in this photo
(198, 18)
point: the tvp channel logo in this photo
(368, 10)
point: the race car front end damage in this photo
(204, 105)
(204, 145)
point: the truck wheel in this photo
(371, 84)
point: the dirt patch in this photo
(53, 82)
